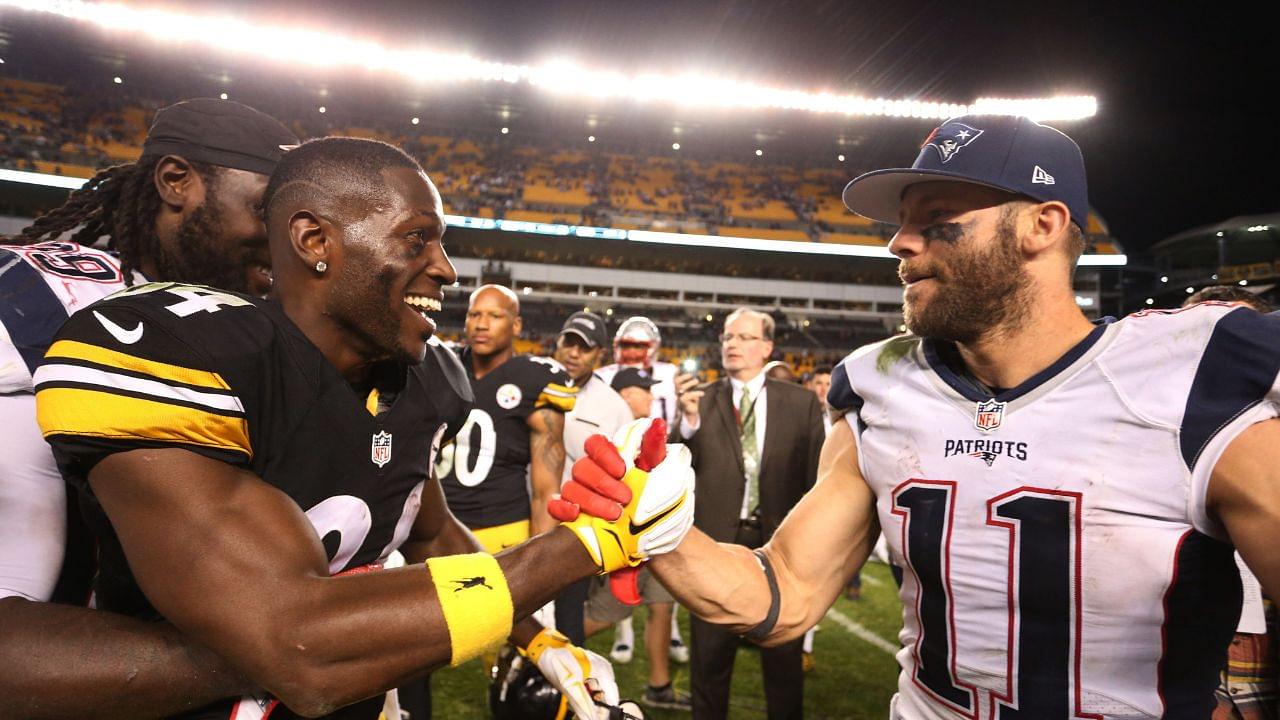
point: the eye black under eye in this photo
(949, 233)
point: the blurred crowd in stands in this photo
(75, 130)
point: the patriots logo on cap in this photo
(950, 138)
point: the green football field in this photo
(854, 678)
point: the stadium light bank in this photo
(603, 233)
(244, 37)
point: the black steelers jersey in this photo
(232, 378)
(484, 472)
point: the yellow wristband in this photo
(475, 602)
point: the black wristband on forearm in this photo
(759, 632)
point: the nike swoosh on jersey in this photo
(128, 337)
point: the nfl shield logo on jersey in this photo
(380, 453)
(988, 415)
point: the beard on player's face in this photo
(976, 287)
(200, 254)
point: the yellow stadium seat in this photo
(21, 121)
(771, 210)
(67, 169)
(546, 194)
(1096, 225)
(834, 212)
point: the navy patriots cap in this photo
(1005, 152)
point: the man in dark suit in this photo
(755, 444)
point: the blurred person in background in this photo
(508, 459)
(755, 444)
(635, 345)
(596, 409)
(819, 383)
(779, 370)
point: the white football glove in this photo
(582, 676)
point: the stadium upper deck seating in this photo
(46, 129)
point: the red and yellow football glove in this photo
(622, 512)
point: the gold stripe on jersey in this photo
(104, 414)
(371, 402)
(561, 397)
(72, 350)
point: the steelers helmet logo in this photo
(508, 396)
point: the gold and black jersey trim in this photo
(91, 391)
(555, 395)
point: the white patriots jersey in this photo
(664, 392)
(40, 287)
(1059, 559)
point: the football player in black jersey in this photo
(244, 460)
(509, 457)
(188, 209)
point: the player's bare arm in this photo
(546, 464)
(817, 548)
(1244, 493)
(436, 533)
(150, 669)
(264, 600)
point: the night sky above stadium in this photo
(1182, 138)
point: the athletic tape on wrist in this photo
(475, 601)
(759, 632)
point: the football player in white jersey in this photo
(1064, 496)
(635, 344)
(186, 210)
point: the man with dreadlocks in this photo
(188, 210)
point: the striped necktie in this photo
(750, 453)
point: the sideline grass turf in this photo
(853, 679)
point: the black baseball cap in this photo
(1005, 152)
(219, 132)
(632, 377)
(588, 326)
